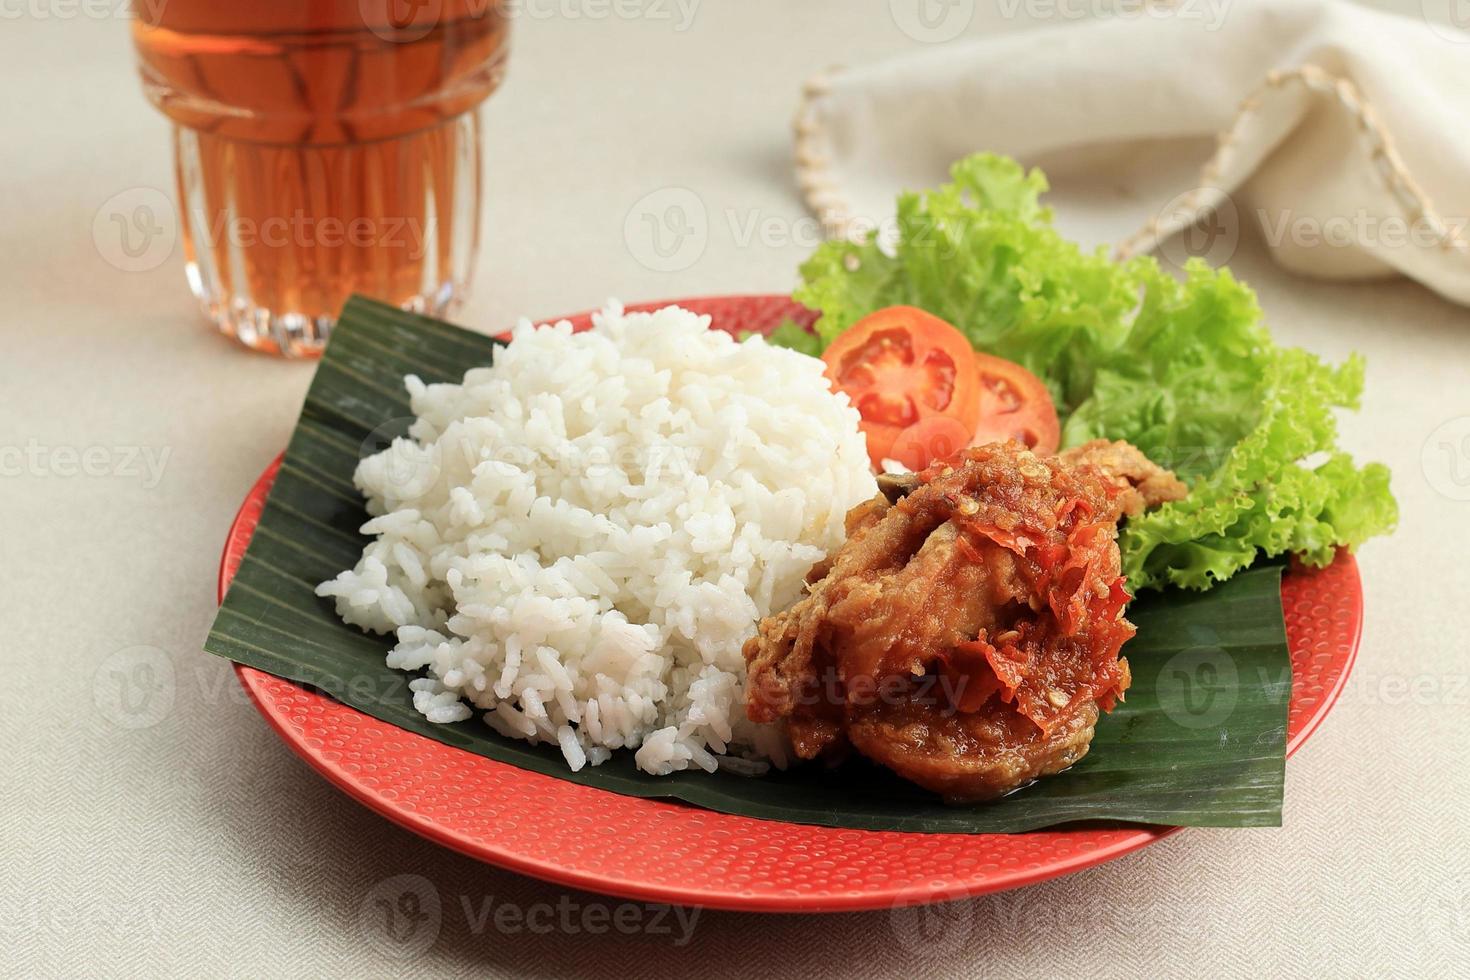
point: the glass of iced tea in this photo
(322, 148)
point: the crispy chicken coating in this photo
(1141, 482)
(967, 633)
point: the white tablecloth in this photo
(187, 838)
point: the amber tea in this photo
(322, 147)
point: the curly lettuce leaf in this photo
(1185, 370)
(1268, 495)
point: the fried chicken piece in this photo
(1144, 483)
(967, 633)
(981, 756)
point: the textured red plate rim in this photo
(726, 861)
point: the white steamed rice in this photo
(576, 541)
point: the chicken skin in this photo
(967, 633)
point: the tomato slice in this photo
(1014, 404)
(901, 366)
(929, 440)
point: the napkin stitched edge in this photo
(825, 198)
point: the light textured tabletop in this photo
(182, 837)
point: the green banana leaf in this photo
(1200, 740)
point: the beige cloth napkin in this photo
(1342, 133)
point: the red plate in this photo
(670, 852)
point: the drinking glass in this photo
(322, 148)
